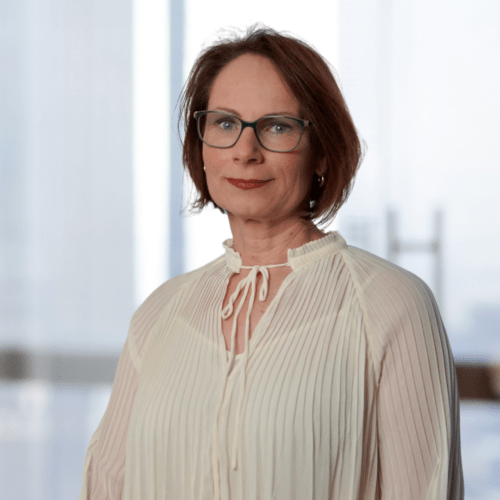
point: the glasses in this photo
(274, 133)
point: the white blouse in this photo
(346, 390)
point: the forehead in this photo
(251, 84)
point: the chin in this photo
(250, 214)
(246, 212)
(265, 209)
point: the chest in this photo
(305, 398)
(258, 309)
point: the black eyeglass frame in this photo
(253, 125)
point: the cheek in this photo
(303, 180)
(212, 163)
(213, 160)
(207, 160)
(300, 172)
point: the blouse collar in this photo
(311, 252)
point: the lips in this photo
(248, 183)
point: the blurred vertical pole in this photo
(176, 264)
(391, 236)
(396, 246)
(438, 252)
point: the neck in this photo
(267, 243)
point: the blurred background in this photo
(94, 206)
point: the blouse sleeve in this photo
(418, 406)
(104, 465)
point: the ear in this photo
(320, 168)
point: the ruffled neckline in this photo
(306, 254)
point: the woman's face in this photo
(250, 87)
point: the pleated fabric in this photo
(350, 390)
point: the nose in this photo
(247, 149)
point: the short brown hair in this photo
(333, 135)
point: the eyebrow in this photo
(234, 112)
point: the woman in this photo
(293, 366)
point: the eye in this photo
(226, 123)
(279, 126)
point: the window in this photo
(90, 193)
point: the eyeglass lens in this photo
(276, 133)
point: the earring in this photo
(204, 168)
(321, 180)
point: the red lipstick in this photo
(247, 183)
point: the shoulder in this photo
(393, 300)
(148, 313)
(372, 274)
